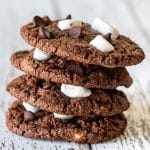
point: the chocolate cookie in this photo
(48, 37)
(48, 97)
(78, 129)
(59, 70)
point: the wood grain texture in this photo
(130, 16)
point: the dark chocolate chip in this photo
(107, 36)
(75, 32)
(75, 69)
(28, 116)
(43, 33)
(38, 21)
(68, 17)
(39, 83)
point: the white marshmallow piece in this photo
(66, 24)
(63, 117)
(75, 91)
(101, 44)
(29, 107)
(40, 55)
(104, 27)
(108, 66)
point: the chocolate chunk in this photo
(28, 116)
(68, 17)
(75, 69)
(107, 36)
(75, 32)
(43, 33)
(38, 21)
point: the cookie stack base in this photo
(78, 129)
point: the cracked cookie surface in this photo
(101, 102)
(78, 129)
(59, 70)
(126, 51)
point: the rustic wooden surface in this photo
(129, 16)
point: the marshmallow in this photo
(104, 28)
(31, 108)
(102, 44)
(40, 55)
(63, 116)
(66, 24)
(75, 91)
(108, 66)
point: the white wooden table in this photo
(131, 17)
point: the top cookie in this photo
(77, 43)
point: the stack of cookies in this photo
(69, 89)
